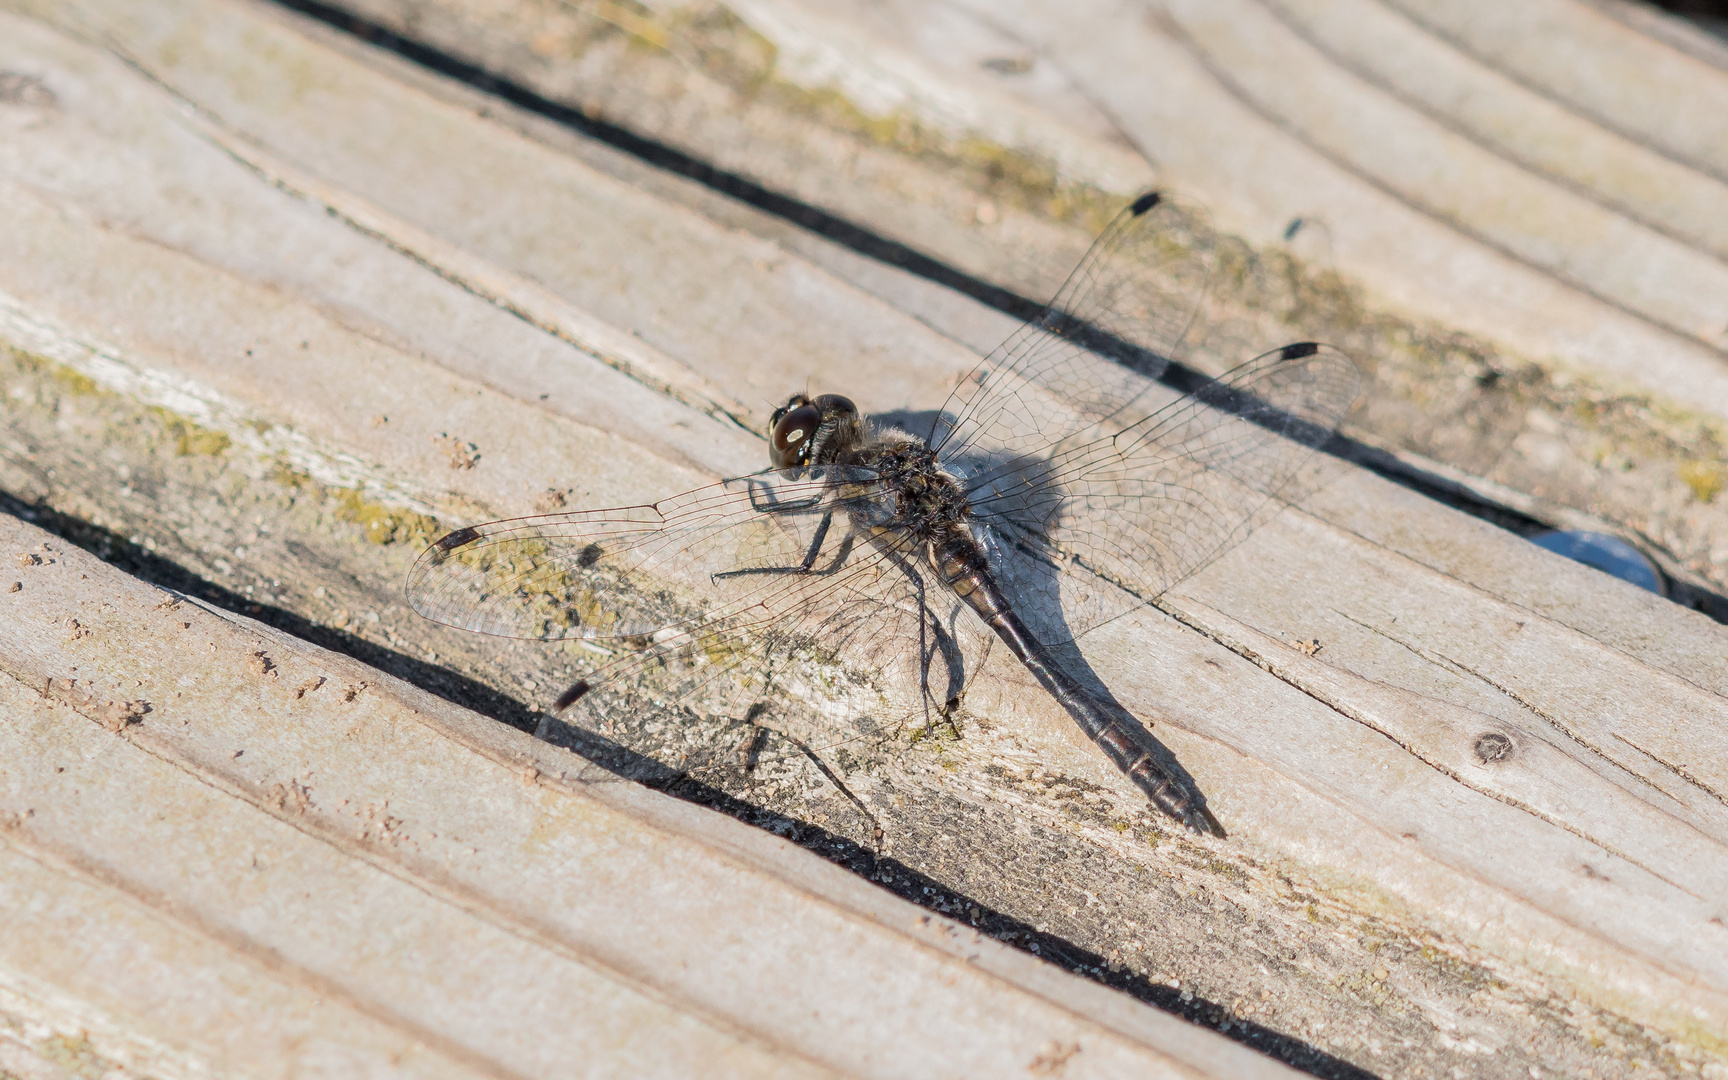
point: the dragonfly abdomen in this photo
(962, 567)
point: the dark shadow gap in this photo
(875, 246)
(910, 885)
(656, 153)
(119, 552)
(1712, 13)
(890, 874)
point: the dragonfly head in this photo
(812, 431)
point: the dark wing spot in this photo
(589, 556)
(452, 541)
(1298, 350)
(570, 696)
(1145, 203)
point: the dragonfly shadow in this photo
(926, 424)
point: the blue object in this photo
(1609, 554)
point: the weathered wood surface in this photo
(1575, 389)
(228, 850)
(271, 296)
(1558, 212)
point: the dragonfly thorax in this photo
(929, 502)
(828, 430)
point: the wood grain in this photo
(227, 221)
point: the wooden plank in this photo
(1615, 173)
(1310, 78)
(1524, 412)
(237, 831)
(1168, 86)
(1397, 900)
(1638, 74)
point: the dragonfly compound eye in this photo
(790, 443)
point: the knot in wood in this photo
(1492, 747)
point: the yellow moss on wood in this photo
(382, 524)
(74, 381)
(734, 54)
(1705, 478)
(190, 439)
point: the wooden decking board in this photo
(1589, 232)
(1160, 96)
(467, 888)
(1637, 74)
(87, 966)
(1553, 455)
(1503, 116)
(1366, 835)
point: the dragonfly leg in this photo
(945, 645)
(809, 563)
(751, 752)
(771, 505)
(948, 649)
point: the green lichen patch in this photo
(60, 378)
(1012, 176)
(190, 439)
(382, 524)
(47, 383)
(1704, 478)
(714, 41)
(74, 381)
(288, 476)
(76, 1056)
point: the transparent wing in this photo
(765, 600)
(1098, 481)
(1143, 507)
(1121, 317)
(633, 571)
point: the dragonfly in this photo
(860, 582)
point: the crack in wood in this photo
(1677, 770)
(1362, 717)
(374, 224)
(1442, 660)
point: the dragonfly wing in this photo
(1143, 505)
(766, 597)
(1093, 356)
(1102, 474)
(851, 659)
(630, 571)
